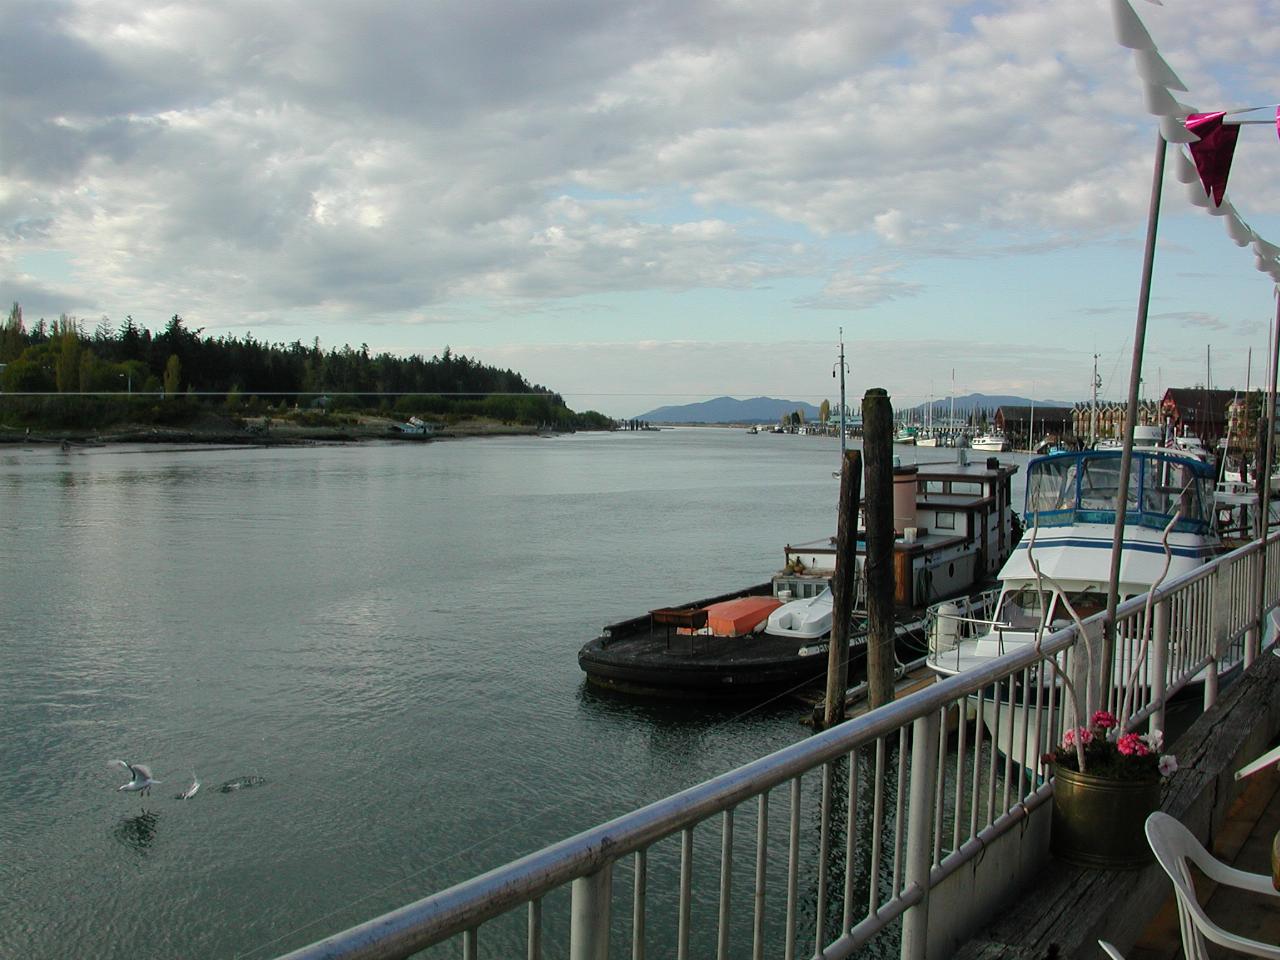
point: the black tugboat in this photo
(954, 530)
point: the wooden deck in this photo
(1244, 841)
(1068, 909)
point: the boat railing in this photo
(950, 622)
(838, 840)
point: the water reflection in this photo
(137, 833)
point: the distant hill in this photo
(729, 410)
(769, 410)
(986, 401)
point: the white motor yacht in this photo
(990, 442)
(1070, 516)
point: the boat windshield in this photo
(1085, 603)
(1085, 488)
(1021, 608)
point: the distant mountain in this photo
(729, 410)
(986, 401)
(769, 410)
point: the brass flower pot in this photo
(1100, 822)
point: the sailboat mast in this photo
(951, 417)
(1031, 431)
(1093, 409)
(842, 433)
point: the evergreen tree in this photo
(172, 375)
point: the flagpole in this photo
(1131, 418)
(1253, 644)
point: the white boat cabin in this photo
(1070, 520)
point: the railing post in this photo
(589, 910)
(1211, 683)
(1221, 611)
(1253, 636)
(1159, 654)
(919, 861)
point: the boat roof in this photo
(1144, 453)
(988, 468)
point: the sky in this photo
(645, 203)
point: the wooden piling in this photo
(843, 587)
(877, 449)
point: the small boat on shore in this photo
(954, 529)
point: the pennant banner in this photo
(1213, 151)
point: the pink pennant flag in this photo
(1213, 151)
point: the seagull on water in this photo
(192, 790)
(142, 779)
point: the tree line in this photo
(63, 357)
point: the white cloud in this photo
(324, 164)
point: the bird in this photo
(191, 791)
(142, 779)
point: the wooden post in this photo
(877, 448)
(843, 587)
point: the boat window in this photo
(945, 520)
(1022, 608)
(1169, 486)
(1085, 603)
(1052, 486)
(935, 486)
(966, 487)
(1100, 485)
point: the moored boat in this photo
(1170, 528)
(954, 528)
(990, 443)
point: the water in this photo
(386, 633)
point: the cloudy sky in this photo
(643, 202)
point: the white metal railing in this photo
(821, 847)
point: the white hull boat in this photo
(807, 619)
(1070, 520)
(990, 442)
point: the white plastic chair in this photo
(1174, 845)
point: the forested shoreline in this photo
(60, 375)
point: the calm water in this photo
(386, 633)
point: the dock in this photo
(1069, 909)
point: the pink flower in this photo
(1132, 745)
(1084, 734)
(1104, 719)
(1168, 764)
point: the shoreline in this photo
(263, 432)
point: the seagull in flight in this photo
(142, 779)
